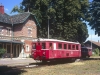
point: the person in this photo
(51, 47)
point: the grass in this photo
(88, 67)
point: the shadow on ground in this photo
(48, 63)
(91, 58)
(4, 70)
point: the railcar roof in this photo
(87, 47)
(54, 40)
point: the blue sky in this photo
(9, 4)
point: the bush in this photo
(2, 51)
(96, 52)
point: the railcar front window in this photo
(43, 46)
(34, 46)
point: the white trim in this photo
(34, 24)
(59, 50)
(30, 28)
(8, 27)
(54, 40)
(87, 47)
(1, 26)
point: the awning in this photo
(9, 41)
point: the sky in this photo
(9, 4)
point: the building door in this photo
(8, 48)
(14, 51)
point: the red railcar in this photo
(52, 49)
(86, 52)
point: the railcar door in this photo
(90, 52)
(54, 51)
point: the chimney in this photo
(98, 41)
(1, 9)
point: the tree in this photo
(94, 13)
(82, 33)
(65, 18)
(16, 8)
(2, 51)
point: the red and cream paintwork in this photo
(47, 49)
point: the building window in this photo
(29, 32)
(8, 31)
(0, 30)
(27, 48)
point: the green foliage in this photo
(2, 51)
(66, 18)
(96, 52)
(94, 13)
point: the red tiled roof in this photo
(94, 42)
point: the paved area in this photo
(16, 61)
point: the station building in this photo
(17, 32)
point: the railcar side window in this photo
(76, 47)
(50, 45)
(59, 46)
(65, 46)
(69, 46)
(43, 46)
(89, 49)
(73, 47)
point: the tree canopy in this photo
(94, 13)
(66, 18)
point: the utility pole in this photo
(11, 37)
(48, 18)
(91, 39)
(48, 27)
